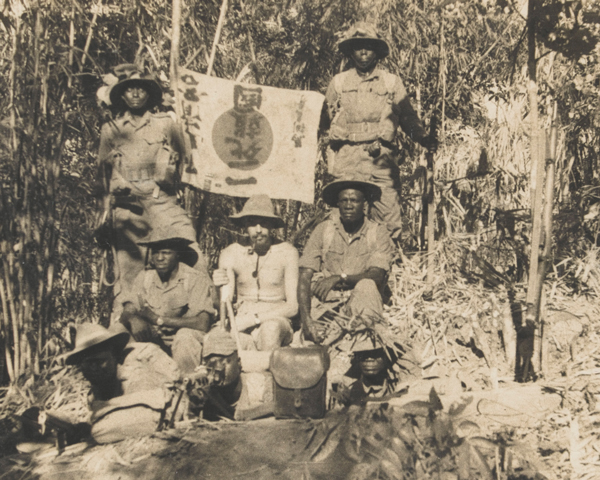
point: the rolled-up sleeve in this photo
(383, 253)
(313, 250)
(200, 296)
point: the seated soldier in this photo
(264, 275)
(352, 253)
(171, 304)
(128, 382)
(372, 363)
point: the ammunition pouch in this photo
(361, 132)
(165, 168)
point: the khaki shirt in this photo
(187, 294)
(132, 146)
(351, 255)
(367, 104)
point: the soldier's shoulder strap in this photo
(328, 233)
(371, 235)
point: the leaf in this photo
(391, 470)
(328, 444)
(485, 469)
(464, 462)
(434, 399)
(456, 410)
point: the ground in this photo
(480, 423)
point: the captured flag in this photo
(249, 139)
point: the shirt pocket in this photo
(334, 260)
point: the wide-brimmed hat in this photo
(363, 32)
(258, 206)
(331, 192)
(218, 342)
(92, 335)
(163, 236)
(130, 75)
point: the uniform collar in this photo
(173, 281)
(376, 391)
(128, 118)
(356, 78)
(350, 238)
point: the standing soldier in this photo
(366, 104)
(139, 155)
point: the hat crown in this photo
(90, 334)
(163, 234)
(362, 30)
(257, 206)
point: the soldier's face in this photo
(99, 368)
(135, 97)
(371, 362)
(352, 205)
(364, 57)
(165, 260)
(259, 231)
(227, 368)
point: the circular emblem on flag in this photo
(242, 137)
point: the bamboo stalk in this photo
(15, 323)
(174, 61)
(213, 50)
(6, 327)
(88, 40)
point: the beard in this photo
(261, 243)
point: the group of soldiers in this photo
(164, 321)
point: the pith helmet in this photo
(330, 194)
(129, 75)
(91, 335)
(258, 206)
(363, 32)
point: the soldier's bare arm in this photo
(309, 328)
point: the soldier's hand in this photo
(140, 330)
(220, 277)
(430, 143)
(322, 288)
(310, 331)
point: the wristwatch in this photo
(160, 322)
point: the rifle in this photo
(37, 422)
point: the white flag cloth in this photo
(248, 139)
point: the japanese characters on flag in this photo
(248, 139)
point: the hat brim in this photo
(331, 192)
(238, 218)
(152, 87)
(380, 46)
(187, 254)
(175, 241)
(119, 339)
